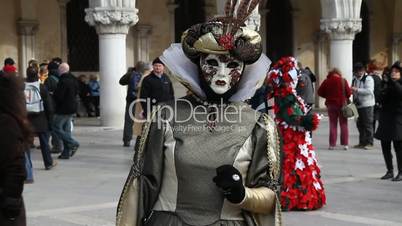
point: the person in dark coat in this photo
(51, 86)
(156, 87)
(390, 121)
(305, 87)
(14, 126)
(131, 79)
(66, 106)
(84, 94)
(40, 120)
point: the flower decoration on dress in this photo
(302, 187)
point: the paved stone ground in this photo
(85, 189)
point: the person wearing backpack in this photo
(51, 85)
(40, 110)
(130, 79)
(66, 106)
(363, 97)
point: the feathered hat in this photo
(225, 35)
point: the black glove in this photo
(230, 181)
(11, 208)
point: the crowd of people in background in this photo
(377, 95)
(50, 97)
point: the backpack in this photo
(134, 80)
(33, 99)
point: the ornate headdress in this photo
(225, 35)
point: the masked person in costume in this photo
(302, 188)
(208, 159)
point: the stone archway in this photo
(82, 40)
(361, 44)
(187, 13)
(279, 29)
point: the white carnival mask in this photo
(221, 72)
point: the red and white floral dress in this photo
(302, 187)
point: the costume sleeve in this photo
(152, 170)
(292, 114)
(262, 181)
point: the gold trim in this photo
(124, 195)
(274, 161)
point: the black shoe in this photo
(388, 175)
(74, 150)
(29, 181)
(51, 166)
(398, 177)
(63, 157)
(126, 144)
(55, 151)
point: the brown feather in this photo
(233, 7)
(252, 6)
(228, 7)
(243, 8)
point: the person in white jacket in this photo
(363, 97)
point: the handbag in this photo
(348, 109)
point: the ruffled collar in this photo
(187, 73)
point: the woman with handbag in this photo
(390, 121)
(336, 91)
(15, 137)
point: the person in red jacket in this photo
(335, 98)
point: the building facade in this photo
(117, 33)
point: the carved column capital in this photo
(63, 3)
(111, 20)
(172, 7)
(111, 16)
(341, 29)
(27, 27)
(143, 30)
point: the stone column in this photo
(341, 20)
(112, 20)
(63, 29)
(26, 31)
(396, 41)
(341, 35)
(172, 27)
(295, 29)
(142, 42)
(321, 63)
